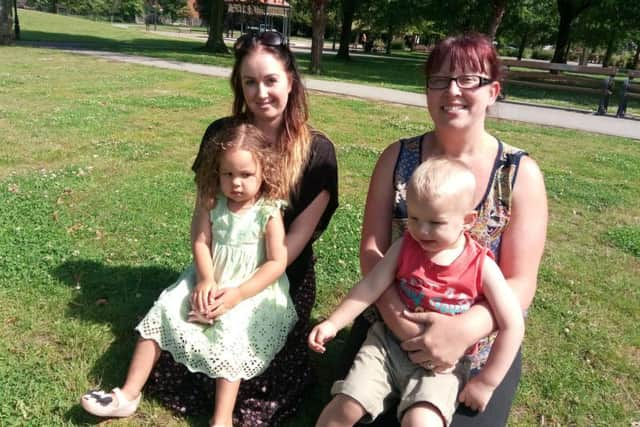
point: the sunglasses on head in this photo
(267, 38)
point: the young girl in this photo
(230, 313)
(436, 266)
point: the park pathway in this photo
(547, 116)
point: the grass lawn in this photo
(96, 197)
(401, 70)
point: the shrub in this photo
(542, 54)
(397, 44)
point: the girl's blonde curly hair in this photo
(239, 134)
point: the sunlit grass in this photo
(401, 70)
(96, 197)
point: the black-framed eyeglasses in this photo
(267, 38)
(464, 81)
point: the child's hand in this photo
(225, 299)
(476, 394)
(320, 335)
(203, 296)
(197, 317)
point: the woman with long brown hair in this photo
(268, 92)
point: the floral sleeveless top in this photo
(494, 210)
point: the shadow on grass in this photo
(181, 50)
(118, 296)
(327, 368)
(381, 71)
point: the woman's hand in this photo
(203, 295)
(225, 299)
(443, 342)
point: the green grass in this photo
(401, 70)
(96, 198)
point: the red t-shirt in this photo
(448, 289)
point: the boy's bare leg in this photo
(422, 415)
(226, 394)
(341, 411)
(145, 356)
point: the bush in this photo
(508, 51)
(574, 56)
(621, 60)
(397, 44)
(379, 45)
(542, 54)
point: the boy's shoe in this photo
(102, 404)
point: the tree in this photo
(530, 23)
(7, 32)
(212, 12)
(123, 10)
(498, 8)
(300, 17)
(569, 10)
(610, 24)
(349, 8)
(393, 17)
(173, 8)
(215, 41)
(318, 25)
(456, 16)
(127, 10)
(636, 56)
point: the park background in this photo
(96, 198)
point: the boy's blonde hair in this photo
(444, 177)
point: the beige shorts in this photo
(382, 374)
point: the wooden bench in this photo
(630, 89)
(548, 75)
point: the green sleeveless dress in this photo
(243, 341)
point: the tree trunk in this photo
(335, 32)
(566, 52)
(318, 25)
(611, 45)
(523, 43)
(389, 40)
(636, 57)
(583, 56)
(559, 56)
(7, 33)
(568, 10)
(498, 8)
(348, 10)
(215, 42)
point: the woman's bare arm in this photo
(304, 226)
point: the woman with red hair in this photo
(462, 82)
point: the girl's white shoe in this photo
(102, 404)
